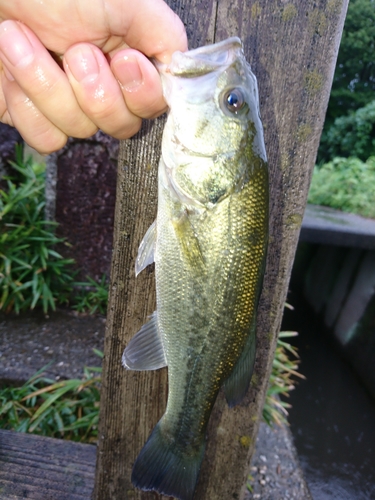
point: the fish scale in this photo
(209, 245)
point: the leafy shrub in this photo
(68, 409)
(350, 135)
(284, 368)
(354, 80)
(346, 184)
(92, 296)
(32, 273)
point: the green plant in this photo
(92, 297)
(32, 273)
(281, 382)
(350, 135)
(354, 80)
(346, 184)
(66, 409)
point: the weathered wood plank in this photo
(42, 468)
(292, 48)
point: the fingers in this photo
(114, 97)
(140, 83)
(111, 92)
(37, 92)
(149, 26)
(47, 105)
(98, 92)
(19, 111)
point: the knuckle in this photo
(84, 132)
(50, 144)
(129, 130)
(6, 119)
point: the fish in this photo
(209, 245)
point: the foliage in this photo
(67, 409)
(281, 383)
(346, 184)
(350, 135)
(93, 296)
(32, 273)
(354, 80)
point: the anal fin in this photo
(145, 351)
(236, 385)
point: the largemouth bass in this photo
(209, 246)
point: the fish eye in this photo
(234, 100)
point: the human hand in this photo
(70, 67)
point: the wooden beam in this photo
(42, 468)
(292, 47)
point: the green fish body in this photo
(209, 245)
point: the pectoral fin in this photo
(145, 351)
(236, 385)
(146, 249)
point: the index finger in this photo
(149, 26)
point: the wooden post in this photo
(292, 48)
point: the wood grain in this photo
(43, 468)
(292, 47)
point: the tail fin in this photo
(161, 468)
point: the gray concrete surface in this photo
(332, 227)
(29, 342)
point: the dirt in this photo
(275, 471)
(66, 340)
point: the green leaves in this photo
(349, 128)
(350, 135)
(32, 273)
(281, 382)
(67, 409)
(354, 80)
(346, 184)
(92, 297)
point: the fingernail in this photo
(15, 45)
(82, 63)
(128, 73)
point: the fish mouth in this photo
(203, 60)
